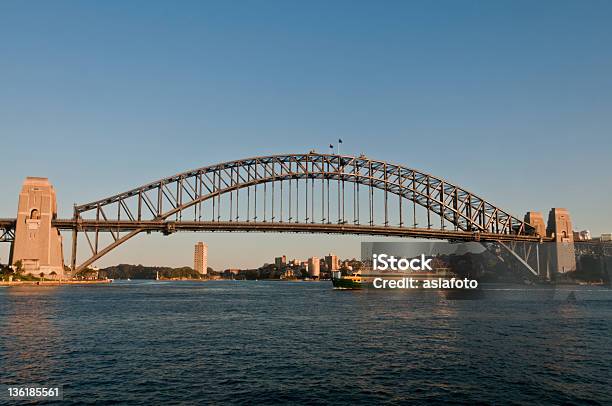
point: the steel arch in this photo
(158, 201)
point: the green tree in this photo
(18, 267)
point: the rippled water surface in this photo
(147, 342)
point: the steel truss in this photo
(7, 230)
(317, 193)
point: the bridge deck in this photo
(7, 223)
(245, 226)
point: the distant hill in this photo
(127, 271)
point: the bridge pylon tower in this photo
(562, 252)
(38, 244)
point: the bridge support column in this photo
(562, 253)
(38, 245)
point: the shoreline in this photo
(54, 283)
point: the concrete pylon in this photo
(38, 245)
(536, 219)
(563, 255)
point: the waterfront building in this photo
(314, 267)
(331, 262)
(280, 262)
(582, 235)
(200, 258)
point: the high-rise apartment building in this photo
(331, 262)
(314, 267)
(280, 262)
(200, 258)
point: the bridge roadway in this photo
(168, 227)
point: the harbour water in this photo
(150, 342)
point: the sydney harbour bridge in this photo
(303, 193)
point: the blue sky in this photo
(512, 100)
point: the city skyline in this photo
(522, 115)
